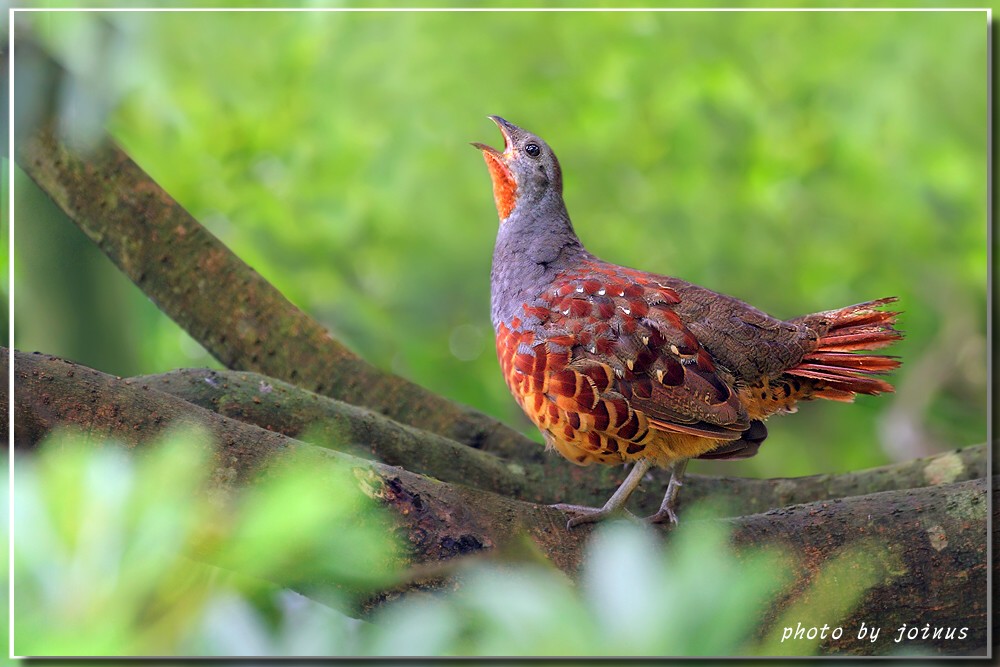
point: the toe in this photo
(667, 516)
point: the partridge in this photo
(618, 365)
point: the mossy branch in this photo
(297, 413)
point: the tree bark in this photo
(931, 555)
(298, 413)
(932, 566)
(326, 422)
(240, 318)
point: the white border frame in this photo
(12, 12)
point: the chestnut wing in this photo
(625, 337)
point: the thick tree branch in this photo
(934, 542)
(225, 305)
(934, 538)
(301, 414)
(758, 495)
(319, 420)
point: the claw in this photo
(667, 512)
(668, 516)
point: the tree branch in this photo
(297, 413)
(240, 318)
(319, 420)
(759, 495)
(935, 537)
(935, 557)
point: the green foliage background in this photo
(800, 161)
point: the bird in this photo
(615, 365)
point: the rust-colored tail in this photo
(836, 367)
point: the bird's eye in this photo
(532, 149)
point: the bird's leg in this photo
(616, 502)
(666, 512)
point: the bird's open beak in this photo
(504, 184)
(505, 129)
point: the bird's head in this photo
(525, 173)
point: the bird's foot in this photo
(616, 503)
(663, 515)
(668, 512)
(584, 514)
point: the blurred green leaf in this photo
(104, 540)
(296, 508)
(635, 599)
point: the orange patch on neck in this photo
(504, 187)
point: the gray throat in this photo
(532, 247)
